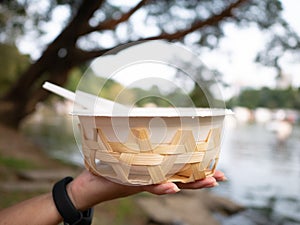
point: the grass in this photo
(15, 163)
(122, 211)
(118, 212)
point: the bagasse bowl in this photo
(152, 145)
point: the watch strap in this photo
(65, 207)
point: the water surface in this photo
(263, 176)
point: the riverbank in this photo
(26, 171)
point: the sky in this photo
(234, 58)
(238, 49)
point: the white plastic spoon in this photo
(86, 100)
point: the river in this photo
(263, 176)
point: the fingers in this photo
(161, 189)
(204, 183)
(220, 176)
(172, 188)
(158, 189)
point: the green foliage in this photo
(87, 29)
(164, 16)
(18, 18)
(113, 90)
(199, 97)
(269, 98)
(15, 163)
(12, 64)
(174, 98)
(73, 79)
(124, 209)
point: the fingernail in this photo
(172, 190)
(211, 185)
(225, 179)
(215, 184)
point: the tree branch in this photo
(80, 22)
(83, 56)
(213, 20)
(87, 55)
(113, 23)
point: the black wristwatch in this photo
(65, 207)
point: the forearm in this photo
(36, 211)
(85, 191)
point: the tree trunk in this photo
(54, 66)
(14, 108)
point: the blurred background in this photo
(251, 47)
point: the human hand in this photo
(171, 188)
(87, 190)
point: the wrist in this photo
(80, 193)
(71, 193)
(65, 204)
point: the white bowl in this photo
(152, 145)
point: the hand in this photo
(171, 188)
(88, 190)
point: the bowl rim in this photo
(157, 112)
